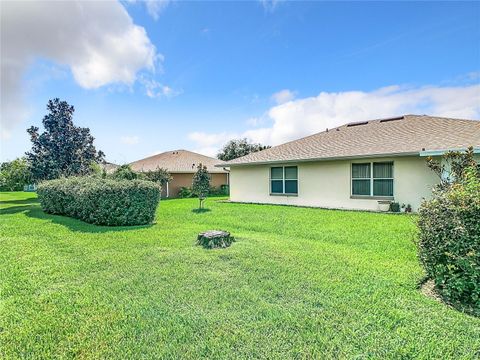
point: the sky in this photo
(153, 76)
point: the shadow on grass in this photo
(16, 206)
(32, 209)
(200, 211)
(18, 202)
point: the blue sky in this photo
(147, 77)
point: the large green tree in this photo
(239, 147)
(63, 149)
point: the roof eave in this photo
(332, 158)
(476, 150)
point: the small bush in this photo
(185, 192)
(221, 190)
(449, 243)
(395, 207)
(101, 201)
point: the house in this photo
(182, 164)
(353, 166)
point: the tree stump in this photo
(215, 239)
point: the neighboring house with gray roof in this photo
(182, 164)
(353, 166)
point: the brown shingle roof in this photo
(408, 135)
(177, 161)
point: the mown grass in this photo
(298, 283)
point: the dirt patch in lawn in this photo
(428, 289)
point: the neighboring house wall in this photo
(328, 184)
(185, 180)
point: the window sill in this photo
(368, 197)
(278, 194)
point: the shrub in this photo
(395, 207)
(124, 172)
(101, 201)
(221, 190)
(185, 192)
(14, 175)
(449, 242)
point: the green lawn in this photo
(298, 283)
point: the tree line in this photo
(64, 150)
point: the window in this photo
(372, 179)
(284, 180)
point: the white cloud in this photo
(155, 7)
(207, 140)
(130, 140)
(283, 96)
(254, 121)
(98, 41)
(154, 89)
(269, 5)
(211, 151)
(302, 117)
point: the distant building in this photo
(182, 164)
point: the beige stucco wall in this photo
(327, 184)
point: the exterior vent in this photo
(392, 119)
(357, 123)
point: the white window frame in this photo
(283, 181)
(371, 179)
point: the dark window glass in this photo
(383, 170)
(291, 172)
(360, 187)
(291, 186)
(383, 187)
(360, 171)
(277, 186)
(276, 173)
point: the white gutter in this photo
(476, 150)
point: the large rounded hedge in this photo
(449, 242)
(101, 201)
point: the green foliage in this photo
(221, 190)
(159, 175)
(101, 201)
(201, 184)
(63, 149)
(453, 166)
(299, 283)
(14, 175)
(449, 242)
(395, 207)
(185, 192)
(238, 148)
(124, 172)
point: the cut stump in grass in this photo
(215, 239)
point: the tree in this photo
(124, 172)
(159, 175)
(201, 184)
(14, 175)
(63, 149)
(452, 167)
(239, 147)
